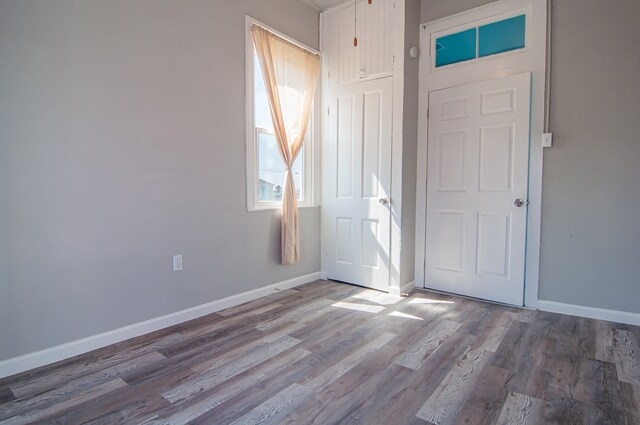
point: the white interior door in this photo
(356, 184)
(477, 172)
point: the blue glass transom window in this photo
(455, 48)
(501, 36)
(486, 40)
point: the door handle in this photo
(383, 201)
(518, 202)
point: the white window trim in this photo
(311, 178)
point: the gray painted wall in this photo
(590, 243)
(431, 10)
(409, 142)
(591, 190)
(122, 142)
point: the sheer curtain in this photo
(290, 75)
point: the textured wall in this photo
(122, 142)
(590, 243)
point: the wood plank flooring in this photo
(331, 353)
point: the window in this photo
(265, 168)
(501, 36)
(455, 48)
(271, 169)
(478, 42)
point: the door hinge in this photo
(425, 186)
(328, 110)
(427, 113)
(424, 264)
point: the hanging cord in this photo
(355, 24)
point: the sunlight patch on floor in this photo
(359, 307)
(404, 315)
(429, 301)
(386, 299)
(366, 294)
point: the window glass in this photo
(454, 48)
(262, 113)
(271, 169)
(502, 36)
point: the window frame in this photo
(310, 179)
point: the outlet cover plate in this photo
(177, 263)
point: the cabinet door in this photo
(345, 63)
(375, 37)
(340, 54)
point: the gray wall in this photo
(591, 204)
(122, 142)
(590, 252)
(431, 10)
(409, 142)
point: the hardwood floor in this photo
(328, 353)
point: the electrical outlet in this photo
(547, 140)
(177, 263)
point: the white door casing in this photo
(532, 59)
(478, 157)
(357, 183)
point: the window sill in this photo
(278, 207)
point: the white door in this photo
(478, 158)
(356, 184)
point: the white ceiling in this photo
(324, 4)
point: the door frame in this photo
(533, 58)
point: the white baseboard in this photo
(590, 312)
(408, 287)
(64, 351)
(404, 289)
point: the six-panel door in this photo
(478, 150)
(357, 182)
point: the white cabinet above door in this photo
(375, 37)
(373, 56)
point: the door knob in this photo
(518, 203)
(383, 201)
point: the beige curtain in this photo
(290, 75)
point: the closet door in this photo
(356, 208)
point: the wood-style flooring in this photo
(330, 353)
